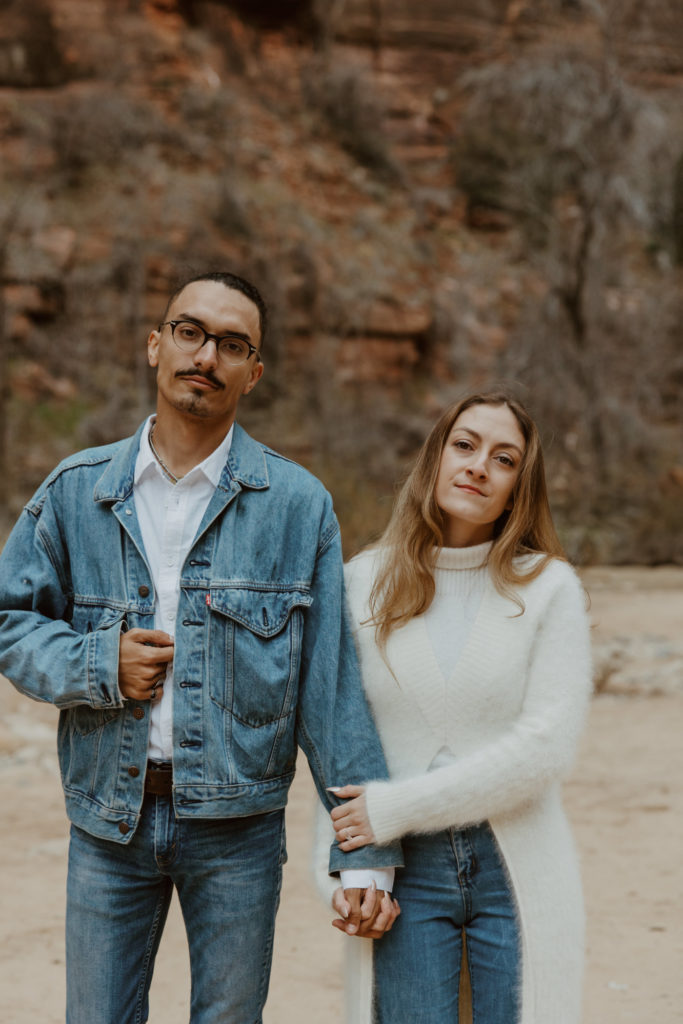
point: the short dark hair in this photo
(238, 284)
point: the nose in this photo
(477, 467)
(206, 357)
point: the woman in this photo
(474, 647)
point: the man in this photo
(179, 596)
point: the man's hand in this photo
(144, 655)
(366, 913)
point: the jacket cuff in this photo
(372, 856)
(103, 669)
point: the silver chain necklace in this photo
(164, 468)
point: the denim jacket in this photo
(263, 660)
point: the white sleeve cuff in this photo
(361, 878)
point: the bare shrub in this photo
(102, 129)
(345, 100)
(580, 161)
(31, 50)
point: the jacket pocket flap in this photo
(264, 612)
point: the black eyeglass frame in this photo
(210, 337)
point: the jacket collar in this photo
(246, 464)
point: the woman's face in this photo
(480, 463)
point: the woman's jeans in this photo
(453, 884)
(227, 873)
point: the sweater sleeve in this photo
(517, 765)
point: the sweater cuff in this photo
(388, 810)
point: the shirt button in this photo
(124, 828)
(143, 591)
(134, 771)
(138, 713)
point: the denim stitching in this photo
(268, 948)
(143, 987)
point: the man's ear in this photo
(254, 377)
(153, 348)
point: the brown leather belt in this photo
(159, 779)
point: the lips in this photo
(470, 489)
(200, 382)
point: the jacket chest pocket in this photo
(255, 651)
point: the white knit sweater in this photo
(508, 717)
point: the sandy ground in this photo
(625, 800)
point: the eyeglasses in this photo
(190, 337)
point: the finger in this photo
(346, 845)
(385, 917)
(353, 898)
(371, 901)
(161, 656)
(346, 792)
(339, 903)
(152, 637)
(149, 661)
(343, 817)
(381, 917)
(382, 923)
(396, 913)
(351, 815)
(339, 813)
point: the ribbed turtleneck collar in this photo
(463, 558)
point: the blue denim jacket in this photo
(264, 657)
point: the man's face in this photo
(201, 384)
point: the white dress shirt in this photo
(169, 515)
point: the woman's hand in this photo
(367, 914)
(350, 820)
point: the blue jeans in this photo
(227, 873)
(453, 884)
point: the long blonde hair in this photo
(404, 586)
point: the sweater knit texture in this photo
(483, 724)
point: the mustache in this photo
(205, 375)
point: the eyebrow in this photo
(201, 323)
(498, 444)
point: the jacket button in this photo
(134, 771)
(124, 828)
(138, 713)
(143, 591)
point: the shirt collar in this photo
(211, 467)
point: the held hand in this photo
(368, 913)
(350, 820)
(144, 655)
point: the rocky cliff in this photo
(433, 196)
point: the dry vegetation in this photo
(513, 215)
